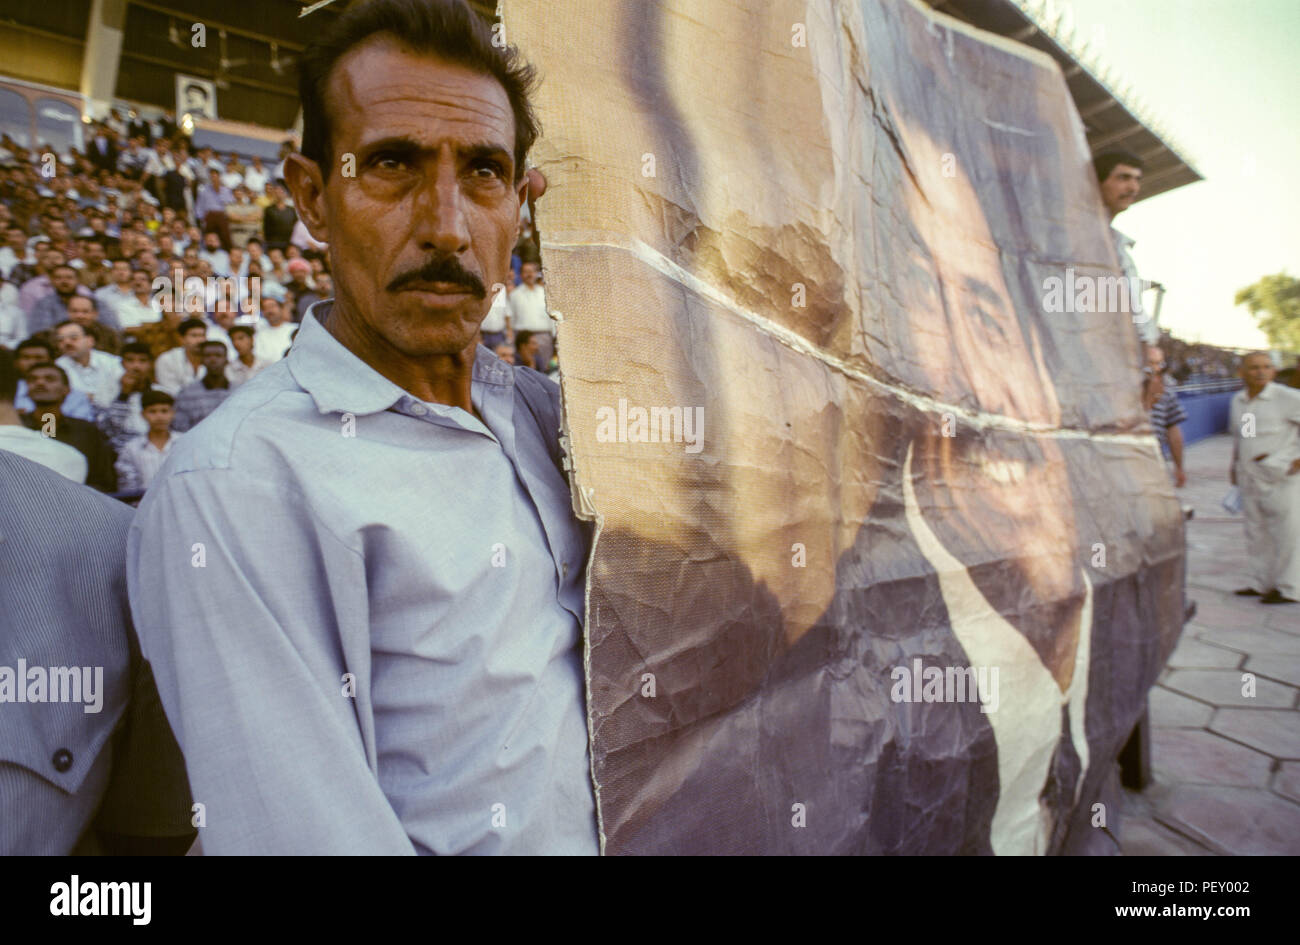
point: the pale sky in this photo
(1223, 76)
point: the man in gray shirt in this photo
(368, 595)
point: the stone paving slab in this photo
(1193, 654)
(1225, 768)
(1272, 731)
(1231, 687)
(1195, 756)
(1282, 668)
(1287, 780)
(1241, 820)
(1170, 709)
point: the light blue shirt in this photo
(363, 613)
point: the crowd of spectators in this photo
(1189, 362)
(144, 278)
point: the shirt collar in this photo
(340, 382)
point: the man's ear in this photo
(307, 184)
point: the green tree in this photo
(1275, 303)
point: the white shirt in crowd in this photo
(133, 313)
(255, 180)
(232, 179)
(13, 323)
(270, 343)
(30, 444)
(173, 371)
(237, 372)
(217, 333)
(144, 459)
(496, 316)
(100, 378)
(529, 308)
(120, 302)
(219, 260)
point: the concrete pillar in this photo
(103, 53)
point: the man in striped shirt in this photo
(1166, 413)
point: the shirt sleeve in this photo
(181, 419)
(1177, 414)
(128, 475)
(249, 659)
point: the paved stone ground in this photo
(1225, 768)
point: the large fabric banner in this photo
(886, 558)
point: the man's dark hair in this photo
(137, 347)
(1107, 161)
(189, 325)
(35, 342)
(240, 330)
(151, 397)
(8, 377)
(68, 321)
(522, 338)
(220, 344)
(49, 366)
(55, 269)
(447, 29)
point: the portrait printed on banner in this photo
(196, 96)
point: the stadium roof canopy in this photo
(251, 45)
(1110, 121)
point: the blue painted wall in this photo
(1207, 414)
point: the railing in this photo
(1208, 385)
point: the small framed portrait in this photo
(195, 96)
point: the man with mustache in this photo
(385, 695)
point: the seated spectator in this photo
(256, 177)
(52, 307)
(13, 322)
(506, 352)
(118, 291)
(526, 349)
(35, 351)
(278, 219)
(123, 419)
(216, 257)
(246, 362)
(95, 269)
(183, 365)
(203, 396)
(220, 321)
(299, 271)
(15, 437)
(139, 308)
(95, 373)
(143, 455)
(245, 218)
(85, 311)
(47, 385)
(210, 207)
(274, 330)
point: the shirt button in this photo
(62, 760)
